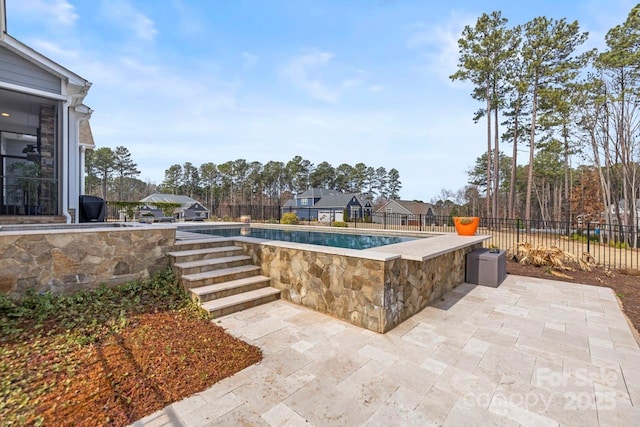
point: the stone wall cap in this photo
(33, 229)
(424, 249)
(371, 254)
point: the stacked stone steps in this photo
(206, 253)
(220, 277)
(211, 264)
(238, 302)
(232, 287)
(207, 243)
(212, 277)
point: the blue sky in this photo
(337, 81)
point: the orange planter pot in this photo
(466, 226)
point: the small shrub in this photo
(289, 218)
(619, 245)
(338, 224)
(227, 218)
(465, 220)
(583, 238)
(272, 221)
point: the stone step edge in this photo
(205, 251)
(218, 273)
(230, 301)
(181, 245)
(211, 261)
(224, 286)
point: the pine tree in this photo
(485, 52)
(125, 167)
(548, 59)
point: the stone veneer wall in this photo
(32, 219)
(373, 294)
(48, 192)
(67, 261)
(410, 286)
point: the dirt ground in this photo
(625, 283)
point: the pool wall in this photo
(371, 289)
(65, 260)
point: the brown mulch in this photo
(625, 283)
(159, 358)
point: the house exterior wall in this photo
(396, 208)
(18, 71)
(27, 73)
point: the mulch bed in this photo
(625, 283)
(159, 358)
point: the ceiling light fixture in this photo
(4, 114)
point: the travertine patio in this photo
(531, 352)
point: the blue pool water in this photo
(336, 240)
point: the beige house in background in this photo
(409, 212)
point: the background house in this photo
(405, 212)
(328, 205)
(622, 209)
(189, 210)
(42, 118)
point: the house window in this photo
(389, 210)
(304, 202)
(355, 212)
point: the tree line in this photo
(539, 88)
(114, 176)
(240, 182)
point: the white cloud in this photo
(125, 15)
(376, 88)
(188, 19)
(58, 12)
(250, 61)
(51, 49)
(438, 44)
(315, 74)
(302, 72)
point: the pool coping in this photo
(427, 245)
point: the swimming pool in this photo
(336, 240)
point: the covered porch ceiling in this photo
(20, 112)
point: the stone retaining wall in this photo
(410, 286)
(65, 261)
(377, 294)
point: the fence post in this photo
(420, 221)
(588, 239)
(517, 231)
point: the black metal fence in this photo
(609, 245)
